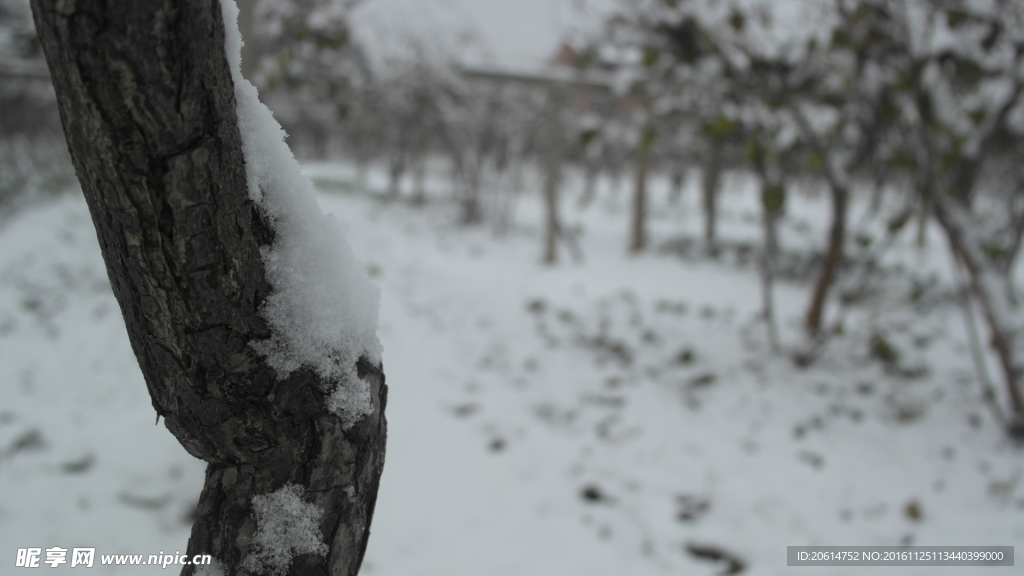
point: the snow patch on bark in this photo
(323, 309)
(285, 528)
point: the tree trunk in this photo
(771, 211)
(675, 191)
(553, 151)
(591, 171)
(994, 289)
(148, 107)
(396, 171)
(552, 222)
(638, 222)
(833, 256)
(419, 180)
(709, 186)
(923, 213)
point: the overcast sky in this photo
(519, 32)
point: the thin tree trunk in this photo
(638, 221)
(148, 107)
(591, 171)
(963, 290)
(419, 180)
(553, 150)
(396, 170)
(552, 223)
(770, 216)
(471, 176)
(709, 187)
(877, 195)
(996, 298)
(833, 256)
(675, 191)
(923, 214)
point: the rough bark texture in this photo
(148, 109)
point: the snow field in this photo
(541, 420)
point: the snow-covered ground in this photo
(592, 418)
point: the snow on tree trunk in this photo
(253, 325)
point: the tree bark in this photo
(148, 108)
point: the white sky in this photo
(505, 31)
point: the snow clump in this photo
(285, 527)
(323, 308)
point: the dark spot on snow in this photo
(912, 510)
(463, 410)
(32, 304)
(690, 508)
(733, 564)
(906, 412)
(686, 356)
(702, 380)
(497, 445)
(593, 494)
(865, 388)
(147, 503)
(28, 441)
(815, 460)
(605, 400)
(536, 306)
(79, 466)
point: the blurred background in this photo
(668, 285)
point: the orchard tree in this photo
(222, 282)
(962, 98)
